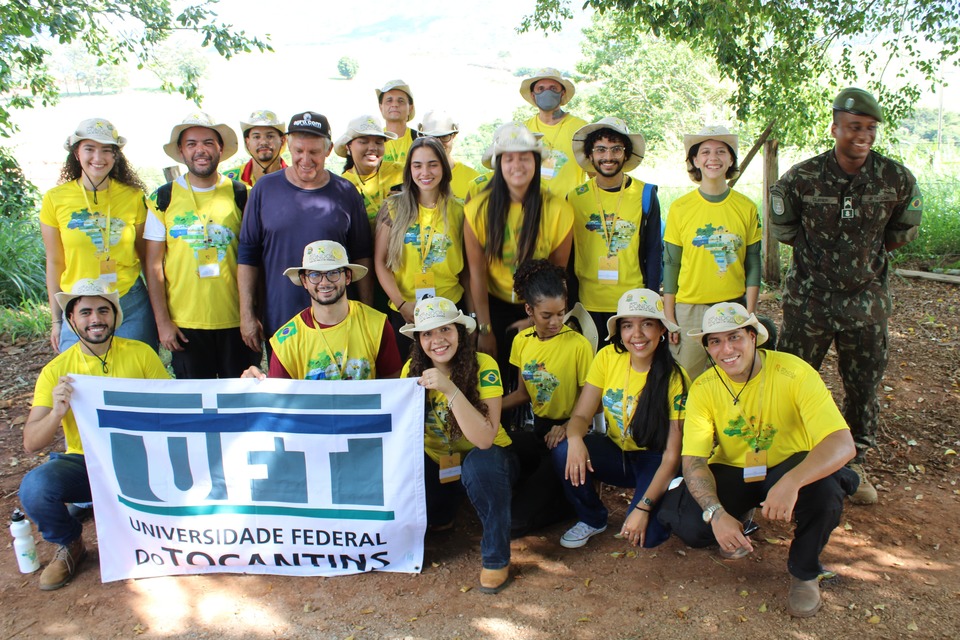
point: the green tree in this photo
(177, 64)
(786, 59)
(113, 31)
(660, 89)
(348, 67)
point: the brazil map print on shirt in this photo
(323, 367)
(621, 235)
(93, 225)
(542, 380)
(721, 244)
(439, 243)
(757, 437)
(190, 229)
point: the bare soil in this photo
(896, 562)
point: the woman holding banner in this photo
(465, 448)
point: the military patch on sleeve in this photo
(916, 204)
(489, 378)
(776, 203)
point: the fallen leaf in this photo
(742, 618)
(366, 611)
(681, 552)
(464, 589)
(949, 452)
(744, 593)
(584, 619)
(413, 619)
(913, 627)
(632, 554)
(307, 608)
(434, 564)
(772, 541)
(616, 554)
(763, 608)
(139, 629)
(587, 582)
(880, 607)
(847, 526)
(874, 619)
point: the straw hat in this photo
(92, 287)
(546, 73)
(201, 119)
(729, 316)
(365, 125)
(262, 118)
(431, 313)
(642, 303)
(512, 137)
(97, 129)
(615, 124)
(438, 123)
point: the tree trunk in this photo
(771, 248)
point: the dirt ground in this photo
(896, 562)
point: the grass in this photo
(31, 319)
(939, 237)
(22, 262)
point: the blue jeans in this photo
(138, 320)
(611, 465)
(45, 489)
(487, 476)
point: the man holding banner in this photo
(94, 314)
(335, 338)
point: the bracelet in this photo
(642, 509)
(401, 305)
(451, 398)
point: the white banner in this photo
(285, 477)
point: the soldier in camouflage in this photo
(842, 211)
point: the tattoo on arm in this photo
(700, 481)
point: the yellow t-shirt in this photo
(556, 222)
(477, 185)
(618, 236)
(431, 247)
(714, 238)
(126, 359)
(553, 371)
(201, 232)
(346, 351)
(559, 172)
(82, 224)
(396, 150)
(611, 372)
(463, 177)
(376, 188)
(436, 441)
(784, 410)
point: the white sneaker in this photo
(578, 534)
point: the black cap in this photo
(309, 122)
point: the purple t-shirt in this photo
(281, 219)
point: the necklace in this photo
(736, 398)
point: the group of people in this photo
(481, 280)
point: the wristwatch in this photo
(484, 328)
(709, 512)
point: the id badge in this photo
(108, 270)
(209, 265)
(609, 271)
(449, 468)
(424, 285)
(755, 466)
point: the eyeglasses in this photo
(446, 138)
(614, 151)
(316, 277)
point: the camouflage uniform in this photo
(836, 289)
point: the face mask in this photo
(548, 100)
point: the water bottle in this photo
(23, 544)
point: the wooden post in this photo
(171, 173)
(771, 248)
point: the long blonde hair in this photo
(403, 209)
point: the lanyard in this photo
(364, 183)
(608, 232)
(438, 427)
(104, 232)
(626, 412)
(196, 209)
(425, 242)
(736, 403)
(341, 360)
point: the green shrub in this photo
(22, 262)
(30, 319)
(939, 237)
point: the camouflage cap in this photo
(859, 102)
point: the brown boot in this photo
(866, 493)
(804, 599)
(64, 565)
(494, 580)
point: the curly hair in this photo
(609, 134)
(122, 172)
(650, 424)
(539, 279)
(466, 373)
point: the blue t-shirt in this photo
(281, 219)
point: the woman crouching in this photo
(464, 444)
(642, 390)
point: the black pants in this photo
(817, 512)
(213, 353)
